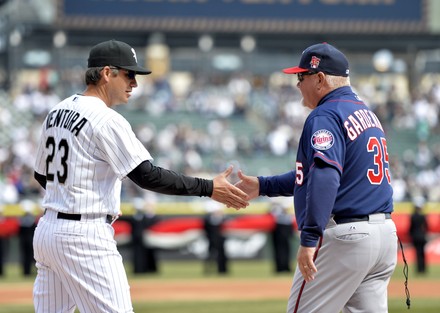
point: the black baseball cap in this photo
(116, 53)
(321, 57)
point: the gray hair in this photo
(337, 81)
(93, 74)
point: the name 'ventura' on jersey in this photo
(68, 119)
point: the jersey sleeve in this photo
(120, 147)
(326, 141)
(277, 185)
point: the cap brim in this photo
(294, 70)
(139, 70)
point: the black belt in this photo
(343, 220)
(77, 217)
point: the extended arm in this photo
(158, 179)
(271, 186)
(154, 178)
(277, 185)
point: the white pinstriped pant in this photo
(355, 264)
(78, 266)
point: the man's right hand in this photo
(227, 193)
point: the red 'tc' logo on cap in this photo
(314, 63)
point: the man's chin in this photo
(305, 104)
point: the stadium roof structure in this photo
(363, 25)
(256, 16)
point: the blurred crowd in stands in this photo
(267, 110)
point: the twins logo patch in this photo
(314, 62)
(322, 139)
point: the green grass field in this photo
(185, 270)
(396, 306)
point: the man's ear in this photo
(106, 73)
(321, 77)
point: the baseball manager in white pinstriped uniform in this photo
(86, 150)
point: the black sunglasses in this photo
(130, 74)
(301, 75)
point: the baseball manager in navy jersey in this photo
(342, 194)
(85, 151)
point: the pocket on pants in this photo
(353, 237)
(68, 235)
(350, 233)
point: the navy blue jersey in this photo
(344, 133)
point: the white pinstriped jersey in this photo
(85, 151)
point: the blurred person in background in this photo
(144, 256)
(418, 231)
(2, 242)
(28, 223)
(213, 226)
(282, 233)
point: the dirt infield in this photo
(207, 289)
